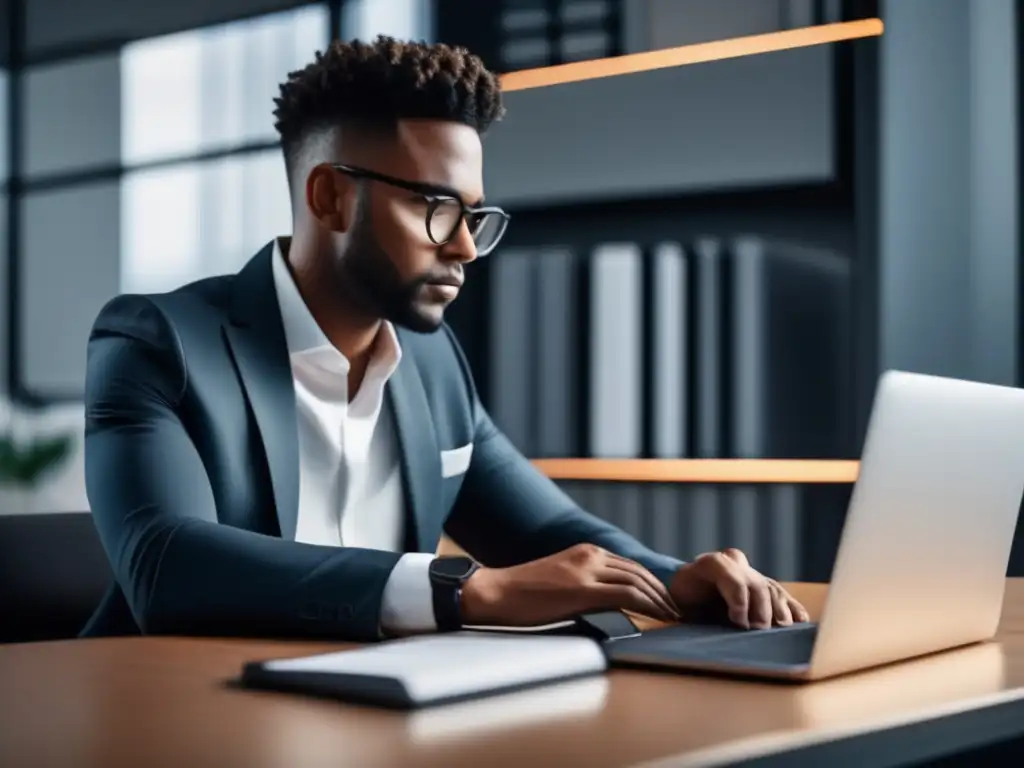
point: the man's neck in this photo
(351, 332)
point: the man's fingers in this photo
(737, 597)
(753, 601)
(629, 597)
(734, 591)
(736, 577)
(649, 579)
(760, 616)
(798, 612)
(736, 556)
(796, 609)
(615, 561)
(614, 575)
(732, 581)
(782, 615)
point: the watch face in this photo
(453, 569)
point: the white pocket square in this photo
(456, 461)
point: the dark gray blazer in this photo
(191, 456)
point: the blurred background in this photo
(708, 261)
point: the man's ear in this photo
(330, 197)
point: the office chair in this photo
(53, 573)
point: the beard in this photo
(374, 283)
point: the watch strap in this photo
(447, 599)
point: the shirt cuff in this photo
(407, 606)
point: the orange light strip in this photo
(794, 471)
(691, 54)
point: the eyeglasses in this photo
(445, 210)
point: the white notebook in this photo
(433, 669)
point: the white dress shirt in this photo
(350, 480)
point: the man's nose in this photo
(461, 247)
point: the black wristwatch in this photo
(447, 575)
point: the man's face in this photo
(389, 261)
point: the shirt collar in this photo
(303, 335)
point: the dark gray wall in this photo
(682, 22)
(949, 196)
(995, 226)
(749, 122)
(3, 228)
(5, 33)
(65, 279)
(71, 115)
(741, 123)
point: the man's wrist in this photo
(480, 597)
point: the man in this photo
(277, 452)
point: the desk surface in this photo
(166, 701)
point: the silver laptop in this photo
(922, 562)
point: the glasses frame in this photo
(435, 195)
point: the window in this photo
(212, 88)
(200, 91)
(160, 161)
(185, 222)
(402, 19)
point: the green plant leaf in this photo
(25, 465)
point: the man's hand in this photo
(722, 584)
(581, 579)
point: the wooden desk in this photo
(166, 702)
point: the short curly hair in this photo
(376, 84)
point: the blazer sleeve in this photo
(508, 512)
(181, 571)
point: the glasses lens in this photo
(444, 218)
(487, 229)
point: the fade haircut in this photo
(374, 85)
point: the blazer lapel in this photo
(256, 338)
(421, 461)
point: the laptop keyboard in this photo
(783, 645)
